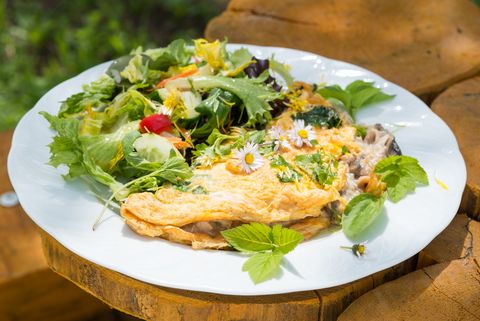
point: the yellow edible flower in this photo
(211, 52)
(295, 102)
(173, 103)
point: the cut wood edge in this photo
(459, 107)
(460, 240)
(424, 44)
(445, 291)
(335, 300)
(151, 302)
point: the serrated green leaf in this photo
(253, 237)
(360, 213)
(401, 175)
(263, 266)
(285, 239)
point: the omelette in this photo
(232, 197)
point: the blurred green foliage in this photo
(45, 42)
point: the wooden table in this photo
(426, 46)
(29, 290)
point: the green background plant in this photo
(45, 42)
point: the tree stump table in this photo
(153, 303)
(422, 45)
(459, 107)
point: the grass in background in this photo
(43, 43)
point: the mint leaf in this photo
(401, 175)
(263, 266)
(253, 237)
(360, 213)
(285, 239)
(269, 245)
(355, 96)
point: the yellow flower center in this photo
(249, 158)
(303, 133)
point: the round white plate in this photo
(67, 210)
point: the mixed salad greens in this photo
(157, 114)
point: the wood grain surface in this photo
(459, 107)
(460, 240)
(445, 291)
(422, 45)
(151, 302)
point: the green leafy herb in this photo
(66, 149)
(401, 174)
(172, 168)
(355, 96)
(263, 266)
(360, 213)
(320, 116)
(94, 95)
(255, 96)
(269, 244)
(176, 53)
(316, 168)
(345, 150)
(136, 71)
(286, 173)
(214, 113)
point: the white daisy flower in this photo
(279, 138)
(301, 134)
(249, 158)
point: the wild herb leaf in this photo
(319, 170)
(355, 96)
(286, 173)
(360, 213)
(263, 266)
(269, 245)
(253, 237)
(401, 174)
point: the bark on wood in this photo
(158, 303)
(29, 290)
(459, 107)
(445, 291)
(461, 239)
(424, 46)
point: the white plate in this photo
(67, 210)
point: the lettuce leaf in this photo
(256, 97)
(67, 149)
(106, 149)
(176, 53)
(95, 95)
